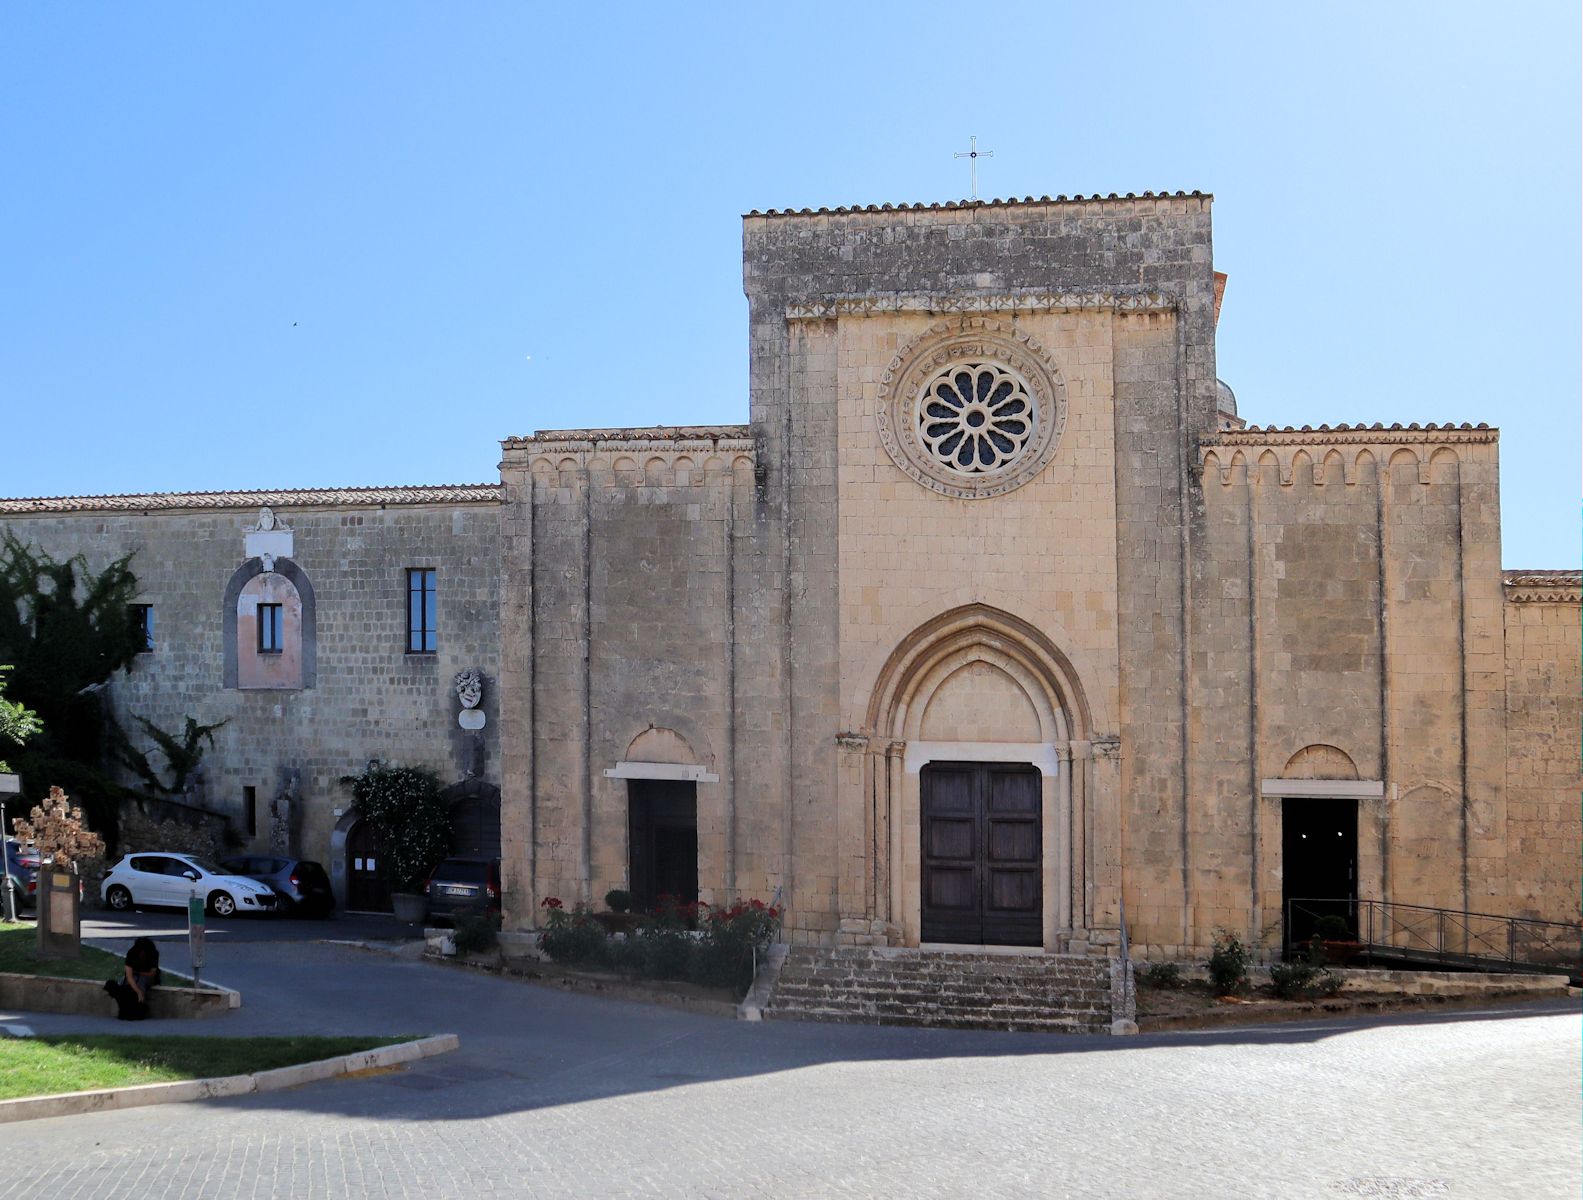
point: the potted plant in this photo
(1341, 946)
(619, 917)
(403, 804)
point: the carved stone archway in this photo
(1010, 695)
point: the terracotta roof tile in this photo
(445, 493)
(1009, 202)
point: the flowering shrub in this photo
(1228, 963)
(404, 805)
(1307, 978)
(696, 942)
(570, 936)
(733, 938)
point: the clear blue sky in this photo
(292, 244)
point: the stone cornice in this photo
(461, 493)
(969, 302)
(1543, 587)
(695, 438)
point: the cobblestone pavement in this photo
(562, 1095)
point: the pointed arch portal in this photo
(980, 741)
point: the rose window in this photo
(975, 417)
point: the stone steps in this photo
(943, 989)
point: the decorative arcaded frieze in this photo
(656, 437)
(1543, 587)
(1334, 454)
(621, 463)
(932, 304)
(1357, 435)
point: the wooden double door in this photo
(367, 888)
(982, 854)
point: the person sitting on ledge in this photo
(141, 972)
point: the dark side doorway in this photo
(367, 889)
(1319, 863)
(662, 841)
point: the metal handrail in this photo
(1128, 1000)
(780, 927)
(1452, 936)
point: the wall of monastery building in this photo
(1544, 744)
(1347, 613)
(368, 697)
(636, 644)
(1185, 628)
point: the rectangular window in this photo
(143, 621)
(420, 611)
(269, 629)
(250, 809)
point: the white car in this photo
(155, 879)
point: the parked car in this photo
(302, 889)
(464, 887)
(21, 864)
(157, 879)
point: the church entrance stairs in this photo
(1041, 993)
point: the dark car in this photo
(21, 864)
(464, 887)
(303, 887)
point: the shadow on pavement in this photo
(527, 1046)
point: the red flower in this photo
(550, 902)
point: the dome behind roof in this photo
(1225, 398)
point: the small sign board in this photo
(195, 932)
(58, 918)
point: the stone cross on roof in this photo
(973, 154)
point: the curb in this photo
(182, 1091)
(1340, 1009)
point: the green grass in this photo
(18, 956)
(47, 1066)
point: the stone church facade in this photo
(993, 625)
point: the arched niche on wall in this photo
(287, 584)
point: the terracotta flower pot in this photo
(411, 907)
(1339, 954)
(620, 922)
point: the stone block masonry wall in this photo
(371, 699)
(1343, 608)
(622, 635)
(1144, 263)
(1544, 745)
(1151, 515)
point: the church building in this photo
(994, 625)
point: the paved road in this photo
(170, 924)
(562, 1095)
